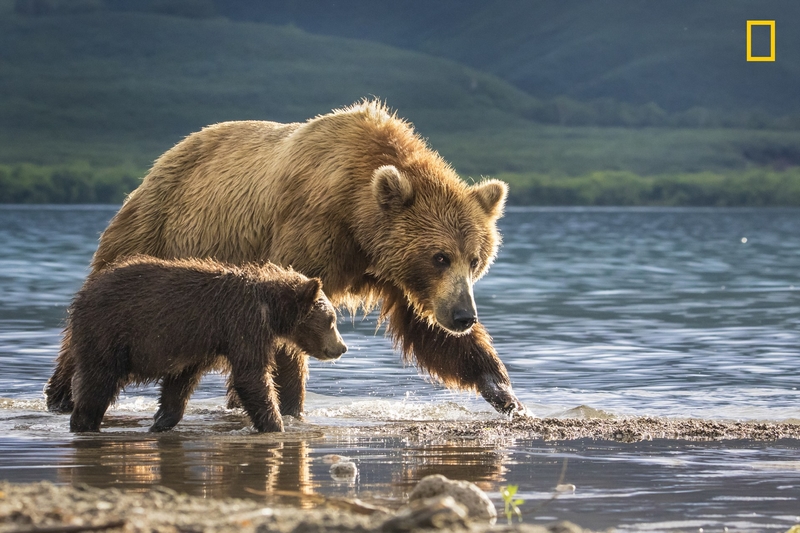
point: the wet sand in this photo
(632, 429)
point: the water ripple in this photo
(648, 311)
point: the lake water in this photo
(667, 312)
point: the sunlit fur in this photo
(307, 195)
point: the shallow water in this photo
(668, 312)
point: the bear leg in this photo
(466, 362)
(254, 387)
(58, 390)
(232, 400)
(175, 393)
(291, 371)
(93, 393)
(289, 377)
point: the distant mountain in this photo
(101, 75)
(678, 54)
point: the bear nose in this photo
(464, 318)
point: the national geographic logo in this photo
(770, 24)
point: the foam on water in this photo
(24, 417)
(335, 411)
(28, 415)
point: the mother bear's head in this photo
(435, 236)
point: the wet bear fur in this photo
(145, 319)
(354, 197)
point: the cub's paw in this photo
(59, 398)
(61, 406)
(164, 421)
(232, 400)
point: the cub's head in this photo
(434, 238)
(316, 333)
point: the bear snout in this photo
(459, 314)
(463, 318)
(334, 351)
(457, 320)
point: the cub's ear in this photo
(491, 194)
(309, 292)
(392, 190)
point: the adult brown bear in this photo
(354, 197)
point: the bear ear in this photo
(491, 194)
(392, 190)
(309, 292)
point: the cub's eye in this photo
(441, 260)
(474, 264)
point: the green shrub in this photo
(753, 188)
(64, 184)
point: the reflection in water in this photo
(481, 465)
(252, 466)
(208, 467)
(128, 464)
(658, 485)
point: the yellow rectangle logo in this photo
(771, 24)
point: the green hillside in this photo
(146, 78)
(89, 97)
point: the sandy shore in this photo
(620, 429)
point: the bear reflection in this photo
(214, 467)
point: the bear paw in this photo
(502, 398)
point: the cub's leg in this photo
(232, 400)
(291, 371)
(94, 387)
(59, 387)
(254, 387)
(175, 393)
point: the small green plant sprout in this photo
(512, 505)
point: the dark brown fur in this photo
(147, 319)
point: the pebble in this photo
(332, 458)
(344, 471)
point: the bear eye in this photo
(474, 264)
(441, 260)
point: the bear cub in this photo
(146, 319)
